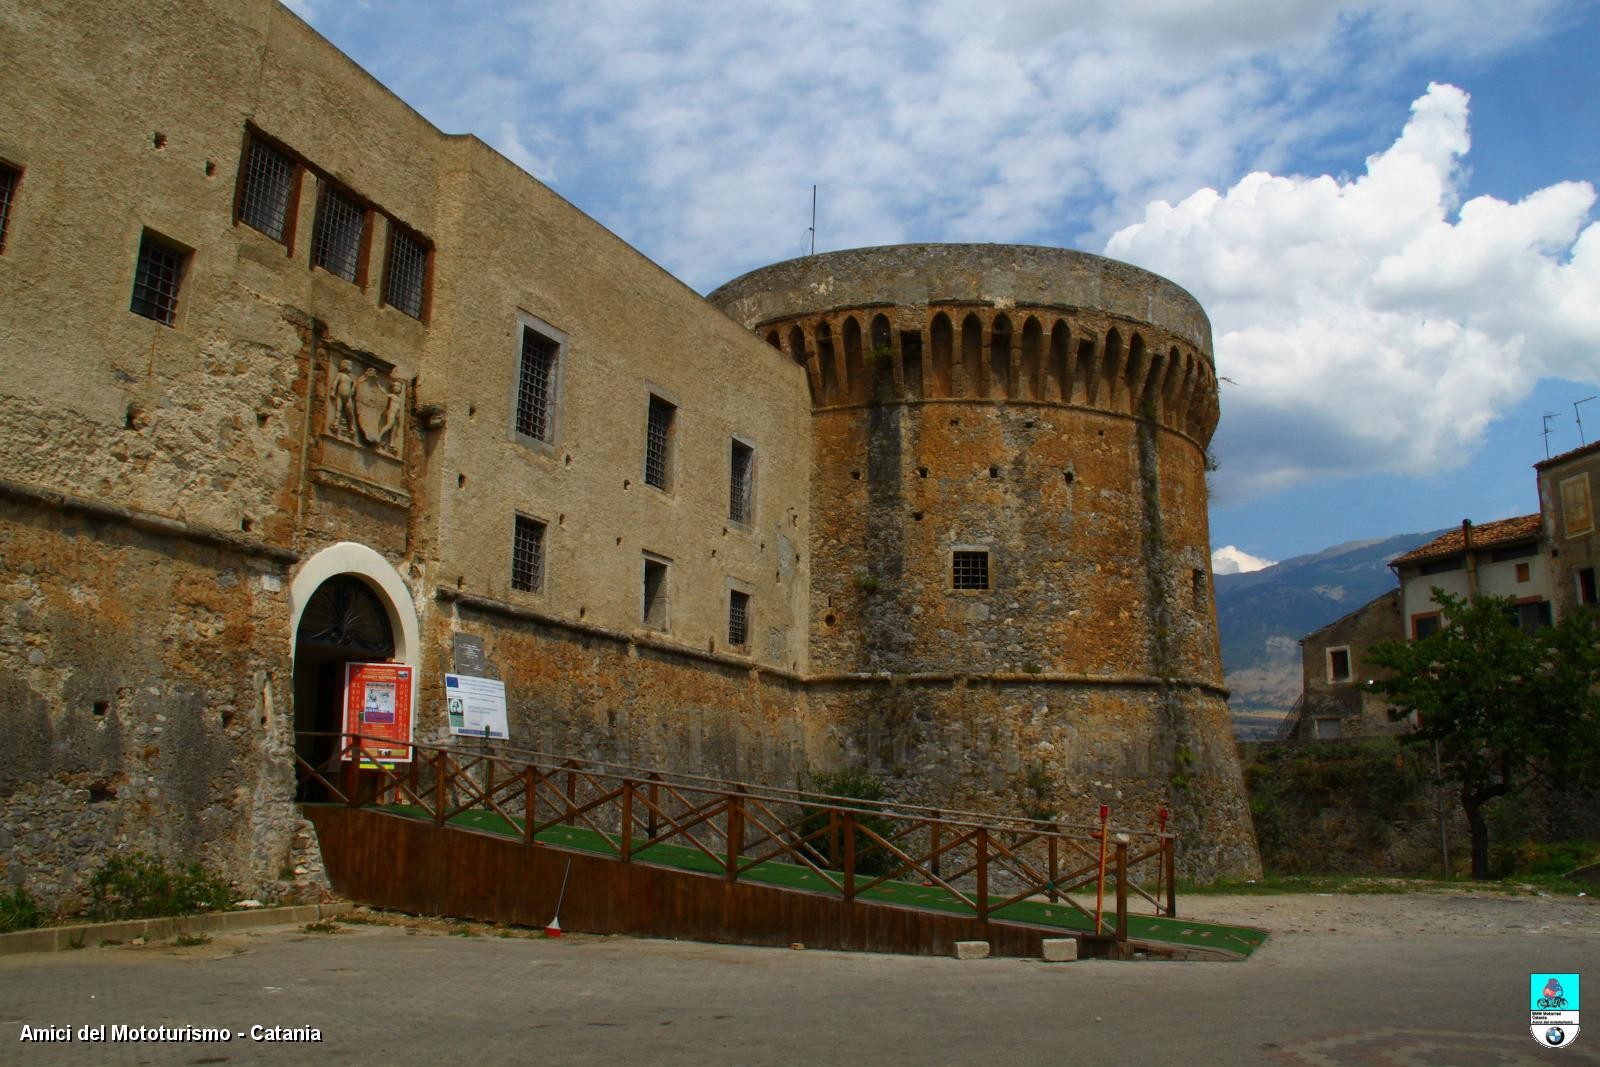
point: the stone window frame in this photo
(1585, 524)
(655, 610)
(748, 490)
(540, 530)
(297, 173)
(1330, 720)
(555, 392)
(950, 570)
(673, 442)
(10, 182)
(1349, 664)
(165, 308)
(738, 588)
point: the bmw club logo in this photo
(1553, 1008)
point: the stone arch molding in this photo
(349, 557)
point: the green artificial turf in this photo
(1237, 939)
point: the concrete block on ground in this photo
(972, 950)
(1058, 949)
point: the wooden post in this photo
(627, 820)
(1122, 887)
(735, 834)
(488, 784)
(411, 775)
(937, 828)
(530, 802)
(572, 789)
(848, 828)
(835, 859)
(352, 779)
(439, 788)
(983, 874)
(1170, 862)
(1054, 867)
(655, 802)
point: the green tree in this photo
(1505, 705)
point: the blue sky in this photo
(1387, 208)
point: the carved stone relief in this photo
(365, 404)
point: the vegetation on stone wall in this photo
(871, 857)
(142, 886)
(19, 911)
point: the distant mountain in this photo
(1263, 614)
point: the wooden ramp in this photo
(451, 834)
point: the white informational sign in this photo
(476, 706)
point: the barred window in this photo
(267, 189)
(969, 570)
(536, 384)
(527, 555)
(336, 239)
(658, 443)
(9, 177)
(156, 278)
(738, 618)
(655, 593)
(406, 272)
(740, 483)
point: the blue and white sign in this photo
(476, 707)
(1553, 1007)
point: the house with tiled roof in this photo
(1500, 558)
(1566, 497)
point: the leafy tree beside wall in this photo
(1506, 706)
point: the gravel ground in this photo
(1456, 913)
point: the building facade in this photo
(1566, 500)
(1504, 558)
(1338, 699)
(293, 379)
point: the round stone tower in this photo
(1011, 583)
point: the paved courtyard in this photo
(1373, 992)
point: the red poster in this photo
(377, 705)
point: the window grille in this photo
(155, 281)
(740, 483)
(658, 437)
(655, 594)
(8, 185)
(336, 241)
(527, 555)
(268, 186)
(406, 272)
(535, 384)
(738, 618)
(969, 570)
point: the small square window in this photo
(1327, 729)
(405, 275)
(156, 278)
(10, 178)
(1584, 577)
(741, 482)
(536, 385)
(1524, 572)
(655, 593)
(1424, 625)
(969, 570)
(738, 618)
(527, 555)
(658, 442)
(1338, 664)
(341, 227)
(266, 189)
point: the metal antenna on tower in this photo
(813, 220)
(1579, 417)
(1547, 419)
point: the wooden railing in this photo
(841, 846)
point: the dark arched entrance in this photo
(344, 621)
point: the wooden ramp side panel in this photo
(394, 862)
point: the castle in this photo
(293, 379)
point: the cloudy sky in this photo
(1387, 208)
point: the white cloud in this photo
(1231, 560)
(1368, 323)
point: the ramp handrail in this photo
(843, 846)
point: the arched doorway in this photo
(348, 605)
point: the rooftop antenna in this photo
(1579, 417)
(1547, 419)
(813, 220)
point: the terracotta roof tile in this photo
(1499, 532)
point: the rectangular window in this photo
(1533, 615)
(1444, 566)
(1524, 572)
(10, 177)
(1584, 577)
(738, 618)
(266, 189)
(339, 233)
(156, 278)
(1197, 585)
(536, 385)
(740, 483)
(655, 593)
(405, 274)
(1424, 625)
(658, 443)
(1338, 664)
(1327, 729)
(1575, 505)
(527, 555)
(969, 570)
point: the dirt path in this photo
(1456, 913)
